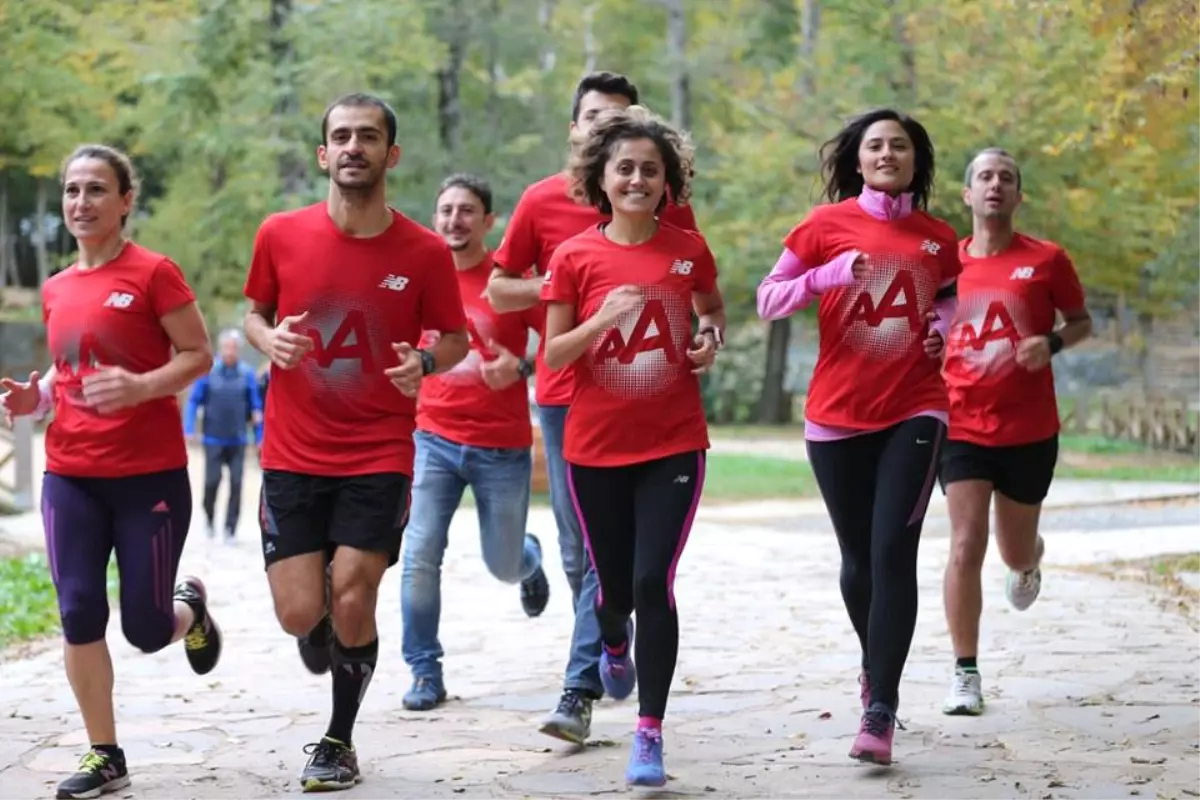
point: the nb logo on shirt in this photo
(931, 247)
(119, 300)
(394, 282)
(680, 267)
(1021, 274)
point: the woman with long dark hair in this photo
(883, 271)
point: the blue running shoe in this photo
(617, 673)
(646, 759)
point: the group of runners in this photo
(399, 378)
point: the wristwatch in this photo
(718, 340)
(1055, 341)
(428, 364)
(524, 368)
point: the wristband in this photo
(45, 398)
(1056, 342)
(718, 340)
(524, 368)
(428, 363)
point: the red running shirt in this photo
(110, 316)
(336, 413)
(457, 404)
(635, 398)
(871, 369)
(545, 217)
(1003, 299)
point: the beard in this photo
(364, 183)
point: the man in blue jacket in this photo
(230, 399)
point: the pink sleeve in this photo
(791, 286)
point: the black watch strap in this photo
(428, 363)
(1056, 343)
(524, 368)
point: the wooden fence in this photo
(16, 464)
(1157, 421)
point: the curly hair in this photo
(839, 157)
(586, 166)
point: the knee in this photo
(298, 618)
(83, 621)
(505, 567)
(652, 591)
(968, 547)
(353, 603)
(148, 632)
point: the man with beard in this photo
(1003, 439)
(341, 292)
(473, 429)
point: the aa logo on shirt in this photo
(997, 324)
(882, 314)
(643, 354)
(349, 341)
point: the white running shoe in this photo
(1022, 588)
(966, 695)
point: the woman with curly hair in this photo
(882, 269)
(620, 301)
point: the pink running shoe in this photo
(874, 742)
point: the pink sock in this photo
(654, 723)
(617, 651)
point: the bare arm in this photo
(506, 293)
(451, 348)
(193, 354)
(710, 308)
(566, 342)
(1077, 327)
(258, 324)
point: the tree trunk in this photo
(589, 38)
(41, 200)
(904, 81)
(547, 57)
(775, 404)
(293, 170)
(681, 94)
(492, 106)
(4, 237)
(449, 76)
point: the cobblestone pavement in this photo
(1092, 693)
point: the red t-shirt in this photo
(1001, 300)
(109, 316)
(545, 217)
(457, 404)
(336, 413)
(635, 398)
(871, 369)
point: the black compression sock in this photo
(352, 671)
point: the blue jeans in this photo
(583, 666)
(442, 470)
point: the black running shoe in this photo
(535, 590)
(572, 720)
(332, 765)
(99, 773)
(202, 642)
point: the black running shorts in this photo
(1020, 472)
(302, 514)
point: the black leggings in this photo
(876, 487)
(635, 522)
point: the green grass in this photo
(741, 477)
(1166, 473)
(28, 606)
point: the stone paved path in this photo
(1092, 693)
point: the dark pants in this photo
(145, 518)
(215, 457)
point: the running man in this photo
(544, 218)
(341, 291)
(473, 429)
(882, 269)
(622, 296)
(230, 399)
(116, 459)
(1003, 440)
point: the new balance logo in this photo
(931, 247)
(682, 478)
(680, 267)
(1021, 274)
(110, 772)
(394, 282)
(118, 300)
(161, 508)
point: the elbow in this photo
(455, 347)
(768, 309)
(203, 357)
(554, 356)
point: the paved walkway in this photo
(1092, 693)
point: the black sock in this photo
(967, 664)
(352, 671)
(110, 750)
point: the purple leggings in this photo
(145, 518)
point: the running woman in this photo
(544, 218)
(473, 429)
(883, 270)
(1003, 440)
(621, 297)
(341, 292)
(116, 459)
